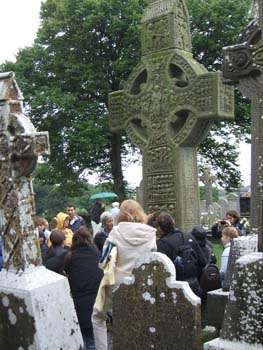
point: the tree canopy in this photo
(83, 51)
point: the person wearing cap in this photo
(200, 234)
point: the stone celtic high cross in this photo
(208, 179)
(243, 63)
(20, 146)
(167, 107)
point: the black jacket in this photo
(169, 244)
(54, 259)
(100, 239)
(96, 212)
(84, 278)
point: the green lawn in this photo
(218, 248)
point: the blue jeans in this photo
(90, 343)
(88, 339)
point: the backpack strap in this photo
(182, 243)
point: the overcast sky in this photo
(18, 27)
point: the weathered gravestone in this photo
(244, 65)
(239, 247)
(233, 202)
(167, 107)
(217, 300)
(154, 311)
(224, 205)
(208, 179)
(36, 310)
(217, 210)
(243, 321)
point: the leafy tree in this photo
(215, 24)
(83, 50)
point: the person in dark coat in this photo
(84, 276)
(43, 244)
(200, 234)
(171, 241)
(106, 219)
(54, 258)
(96, 212)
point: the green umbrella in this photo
(102, 195)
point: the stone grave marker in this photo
(217, 300)
(211, 218)
(208, 179)
(243, 65)
(154, 311)
(224, 205)
(239, 247)
(243, 320)
(233, 202)
(167, 107)
(217, 210)
(36, 309)
(203, 208)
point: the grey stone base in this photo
(37, 311)
(216, 304)
(221, 344)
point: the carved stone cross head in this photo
(20, 146)
(167, 107)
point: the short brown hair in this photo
(166, 222)
(131, 211)
(57, 237)
(42, 221)
(234, 215)
(230, 232)
(81, 237)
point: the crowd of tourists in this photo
(120, 236)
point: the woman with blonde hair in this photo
(132, 237)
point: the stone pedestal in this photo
(239, 247)
(216, 304)
(37, 312)
(243, 322)
(217, 299)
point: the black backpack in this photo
(186, 261)
(210, 279)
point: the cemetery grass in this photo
(218, 248)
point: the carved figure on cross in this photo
(243, 64)
(20, 146)
(208, 179)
